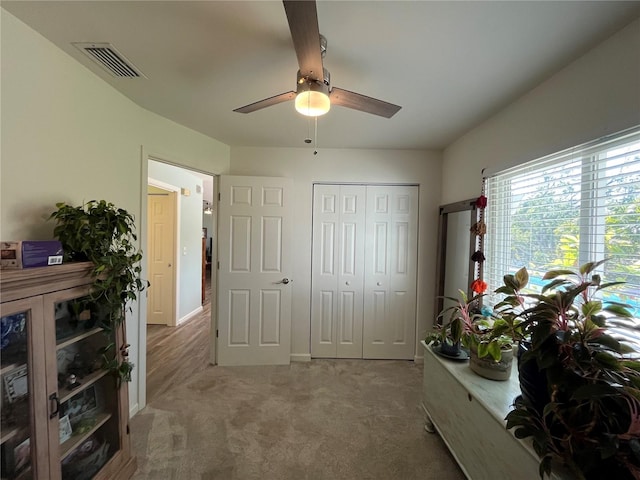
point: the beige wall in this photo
(596, 95)
(347, 166)
(68, 136)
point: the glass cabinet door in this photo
(17, 385)
(88, 418)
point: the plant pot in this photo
(533, 382)
(450, 349)
(487, 367)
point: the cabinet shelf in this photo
(11, 367)
(8, 434)
(76, 338)
(70, 445)
(65, 393)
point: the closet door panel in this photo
(391, 257)
(337, 271)
(350, 282)
(324, 298)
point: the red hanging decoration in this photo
(479, 286)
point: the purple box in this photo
(41, 253)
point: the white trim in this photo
(418, 359)
(142, 299)
(300, 357)
(189, 316)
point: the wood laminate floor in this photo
(176, 353)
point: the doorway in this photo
(181, 345)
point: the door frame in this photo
(139, 380)
(175, 258)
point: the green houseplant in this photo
(589, 422)
(488, 337)
(103, 234)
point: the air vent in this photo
(105, 55)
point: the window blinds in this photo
(566, 209)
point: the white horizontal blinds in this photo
(567, 209)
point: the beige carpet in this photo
(327, 419)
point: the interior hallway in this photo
(174, 354)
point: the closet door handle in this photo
(54, 398)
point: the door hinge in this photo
(128, 431)
(217, 333)
(218, 196)
(218, 265)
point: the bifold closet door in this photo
(337, 271)
(363, 284)
(391, 253)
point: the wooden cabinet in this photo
(63, 416)
(468, 412)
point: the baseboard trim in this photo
(190, 315)
(300, 357)
(419, 359)
(133, 410)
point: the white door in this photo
(254, 280)
(337, 271)
(390, 272)
(161, 209)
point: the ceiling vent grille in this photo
(106, 55)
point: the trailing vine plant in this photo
(103, 234)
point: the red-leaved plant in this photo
(590, 424)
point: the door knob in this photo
(285, 280)
(379, 284)
(347, 283)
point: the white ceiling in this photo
(449, 64)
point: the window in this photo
(566, 209)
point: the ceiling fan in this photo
(315, 95)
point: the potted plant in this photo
(103, 234)
(489, 339)
(446, 339)
(589, 423)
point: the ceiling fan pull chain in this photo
(315, 136)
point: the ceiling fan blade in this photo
(303, 24)
(348, 99)
(267, 102)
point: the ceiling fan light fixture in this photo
(312, 97)
(312, 103)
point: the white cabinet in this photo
(364, 271)
(468, 412)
